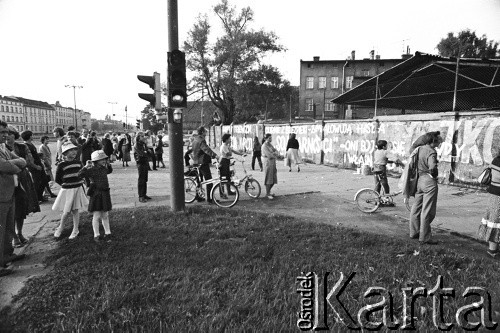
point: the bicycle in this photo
(368, 200)
(194, 188)
(252, 186)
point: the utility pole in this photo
(176, 162)
(74, 100)
(126, 118)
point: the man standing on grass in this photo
(202, 154)
(10, 166)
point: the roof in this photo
(34, 103)
(426, 82)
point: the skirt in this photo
(489, 230)
(292, 156)
(125, 154)
(69, 199)
(100, 201)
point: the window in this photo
(322, 82)
(348, 82)
(309, 104)
(335, 82)
(309, 82)
(3, 118)
(2, 108)
(365, 72)
(330, 106)
(8, 118)
(17, 119)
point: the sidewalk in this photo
(318, 193)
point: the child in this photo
(71, 197)
(380, 160)
(226, 153)
(97, 170)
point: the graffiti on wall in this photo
(469, 143)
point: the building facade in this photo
(323, 80)
(12, 112)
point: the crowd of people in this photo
(83, 162)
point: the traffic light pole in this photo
(176, 162)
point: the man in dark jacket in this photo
(202, 154)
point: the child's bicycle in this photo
(252, 186)
(194, 188)
(368, 200)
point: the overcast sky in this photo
(103, 44)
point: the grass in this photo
(212, 269)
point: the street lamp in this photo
(74, 99)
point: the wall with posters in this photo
(471, 140)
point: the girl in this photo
(71, 197)
(226, 152)
(257, 153)
(97, 170)
(159, 151)
(292, 153)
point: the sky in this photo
(102, 45)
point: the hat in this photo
(68, 145)
(98, 155)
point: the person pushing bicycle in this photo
(380, 160)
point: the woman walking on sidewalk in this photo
(489, 230)
(257, 153)
(292, 153)
(270, 155)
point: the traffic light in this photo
(138, 121)
(154, 83)
(124, 125)
(176, 83)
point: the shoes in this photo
(4, 272)
(430, 242)
(142, 199)
(270, 197)
(200, 199)
(494, 253)
(416, 236)
(22, 239)
(97, 239)
(289, 170)
(107, 238)
(58, 233)
(14, 257)
(298, 169)
(74, 234)
(272, 194)
(147, 198)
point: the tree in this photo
(467, 45)
(149, 120)
(221, 68)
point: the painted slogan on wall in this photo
(470, 142)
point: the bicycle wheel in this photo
(189, 190)
(409, 203)
(222, 198)
(367, 200)
(252, 188)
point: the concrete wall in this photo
(471, 140)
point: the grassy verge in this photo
(214, 269)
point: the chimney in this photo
(372, 54)
(405, 56)
(316, 58)
(353, 55)
(377, 57)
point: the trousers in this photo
(423, 210)
(142, 182)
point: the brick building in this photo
(323, 80)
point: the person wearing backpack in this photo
(423, 210)
(489, 230)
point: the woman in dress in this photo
(125, 145)
(489, 230)
(270, 155)
(292, 153)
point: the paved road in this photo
(318, 193)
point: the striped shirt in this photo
(67, 174)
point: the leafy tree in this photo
(467, 45)
(149, 120)
(222, 68)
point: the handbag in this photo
(485, 177)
